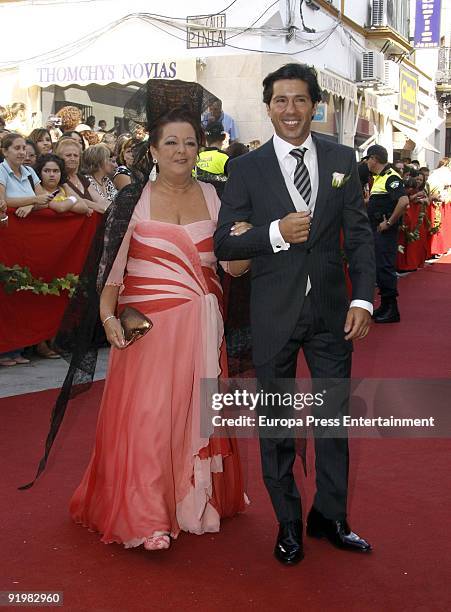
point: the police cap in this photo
(379, 151)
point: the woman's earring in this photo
(155, 161)
(153, 172)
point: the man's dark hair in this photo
(236, 149)
(413, 171)
(214, 132)
(301, 72)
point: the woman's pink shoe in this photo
(21, 360)
(5, 361)
(158, 542)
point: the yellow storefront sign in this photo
(408, 94)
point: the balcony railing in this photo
(393, 13)
(444, 66)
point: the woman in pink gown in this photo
(151, 473)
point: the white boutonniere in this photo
(338, 180)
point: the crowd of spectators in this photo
(69, 167)
(73, 166)
(76, 167)
(422, 185)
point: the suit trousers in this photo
(386, 249)
(329, 362)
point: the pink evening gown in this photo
(150, 469)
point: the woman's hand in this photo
(240, 227)
(42, 201)
(114, 333)
(24, 211)
(3, 215)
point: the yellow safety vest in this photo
(378, 188)
(212, 160)
(381, 201)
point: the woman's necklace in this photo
(100, 186)
(76, 181)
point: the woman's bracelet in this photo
(73, 199)
(107, 319)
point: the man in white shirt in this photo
(300, 193)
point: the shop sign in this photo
(427, 24)
(408, 93)
(321, 113)
(206, 31)
(102, 74)
(337, 86)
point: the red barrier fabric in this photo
(412, 255)
(51, 245)
(441, 241)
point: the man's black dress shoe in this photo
(288, 549)
(337, 532)
(389, 314)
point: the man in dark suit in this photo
(299, 192)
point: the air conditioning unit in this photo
(391, 76)
(378, 13)
(373, 68)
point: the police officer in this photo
(212, 163)
(387, 203)
(212, 159)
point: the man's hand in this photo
(295, 227)
(357, 323)
(384, 226)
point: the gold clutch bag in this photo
(135, 325)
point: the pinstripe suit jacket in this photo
(256, 192)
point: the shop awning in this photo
(413, 135)
(337, 86)
(128, 50)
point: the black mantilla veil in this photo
(81, 333)
(152, 101)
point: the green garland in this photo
(433, 228)
(15, 278)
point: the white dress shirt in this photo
(288, 164)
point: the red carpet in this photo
(399, 500)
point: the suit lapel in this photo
(271, 174)
(324, 183)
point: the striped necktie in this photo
(301, 175)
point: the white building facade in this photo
(100, 51)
